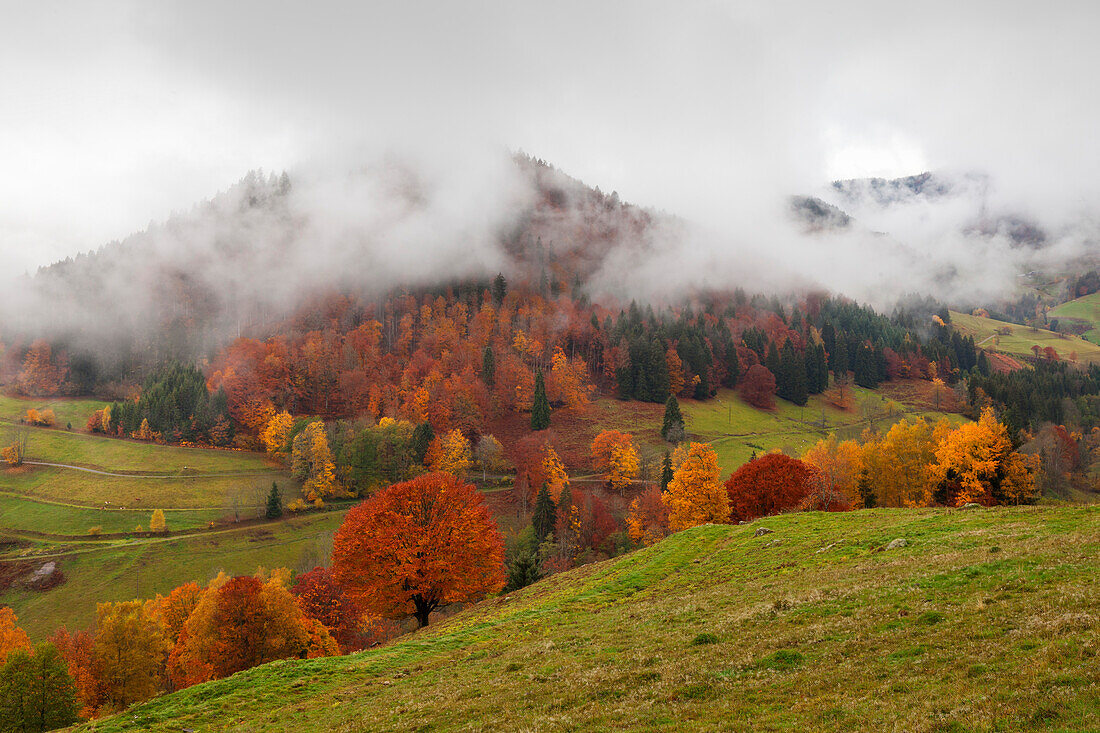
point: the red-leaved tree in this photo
(758, 387)
(768, 485)
(418, 545)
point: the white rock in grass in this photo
(895, 544)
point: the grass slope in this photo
(121, 570)
(987, 620)
(1085, 309)
(1022, 338)
(736, 430)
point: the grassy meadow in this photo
(1086, 310)
(986, 620)
(1021, 338)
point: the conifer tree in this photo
(838, 359)
(274, 502)
(666, 471)
(523, 571)
(540, 410)
(672, 428)
(771, 361)
(546, 513)
(488, 366)
(733, 365)
(499, 289)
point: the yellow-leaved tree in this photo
(554, 471)
(976, 463)
(11, 636)
(129, 653)
(157, 522)
(451, 454)
(899, 464)
(276, 432)
(311, 463)
(840, 465)
(696, 495)
(616, 458)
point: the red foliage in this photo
(757, 387)
(768, 485)
(321, 597)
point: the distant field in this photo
(194, 492)
(1086, 310)
(112, 571)
(1022, 338)
(737, 430)
(75, 411)
(131, 456)
(22, 515)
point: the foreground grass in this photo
(987, 620)
(1022, 338)
(123, 570)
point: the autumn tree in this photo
(490, 455)
(615, 458)
(675, 372)
(695, 494)
(839, 465)
(898, 464)
(450, 453)
(417, 545)
(76, 650)
(979, 459)
(157, 522)
(11, 636)
(174, 609)
(758, 387)
(276, 432)
(36, 691)
(129, 653)
(770, 484)
(321, 597)
(672, 427)
(243, 622)
(647, 521)
(40, 375)
(540, 408)
(312, 464)
(553, 472)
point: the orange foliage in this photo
(695, 495)
(647, 521)
(11, 636)
(417, 545)
(615, 458)
(76, 650)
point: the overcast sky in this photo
(114, 114)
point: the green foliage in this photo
(488, 366)
(499, 289)
(36, 691)
(177, 405)
(545, 516)
(540, 409)
(666, 471)
(274, 502)
(381, 455)
(523, 571)
(704, 639)
(672, 427)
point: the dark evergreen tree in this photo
(523, 571)
(499, 289)
(672, 428)
(791, 379)
(274, 502)
(545, 515)
(488, 366)
(772, 360)
(733, 365)
(838, 359)
(540, 409)
(422, 438)
(666, 472)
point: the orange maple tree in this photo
(417, 545)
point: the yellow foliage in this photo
(554, 470)
(451, 454)
(312, 464)
(840, 465)
(157, 523)
(276, 432)
(12, 455)
(980, 457)
(12, 637)
(623, 466)
(695, 495)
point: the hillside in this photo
(1018, 340)
(986, 620)
(1082, 312)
